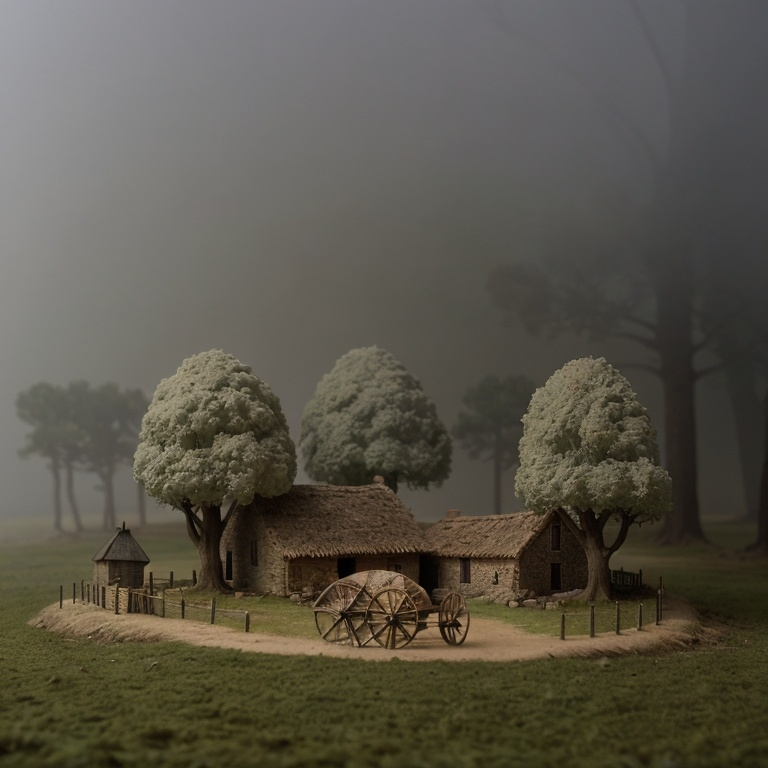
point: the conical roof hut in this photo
(120, 561)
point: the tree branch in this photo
(232, 507)
(194, 524)
(626, 521)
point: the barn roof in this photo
(122, 546)
(333, 521)
(489, 536)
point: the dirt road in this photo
(487, 640)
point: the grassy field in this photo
(68, 702)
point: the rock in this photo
(530, 603)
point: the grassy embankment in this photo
(71, 702)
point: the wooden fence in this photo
(118, 599)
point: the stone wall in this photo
(531, 574)
(257, 565)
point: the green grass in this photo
(68, 702)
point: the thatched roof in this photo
(334, 521)
(490, 536)
(122, 546)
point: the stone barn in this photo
(505, 554)
(120, 561)
(315, 534)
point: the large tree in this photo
(110, 420)
(213, 434)
(55, 436)
(589, 451)
(715, 99)
(370, 416)
(490, 428)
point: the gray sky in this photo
(289, 179)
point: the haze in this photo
(287, 180)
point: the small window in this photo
(254, 552)
(555, 536)
(465, 576)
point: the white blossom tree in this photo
(589, 451)
(213, 434)
(370, 416)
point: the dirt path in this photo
(487, 640)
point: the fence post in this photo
(61, 595)
(151, 584)
(88, 591)
(639, 616)
(82, 590)
(562, 626)
(171, 581)
(247, 621)
(658, 606)
(194, 577)
(618, 618)
(213, 610)
(130, 597)
(592, 620)
(117, 599)
(74, 592)
(103, 597)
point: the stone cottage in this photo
(120, 561)
(511, 553)
(315, 534)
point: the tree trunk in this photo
(497, 471)
(209, 546)
(56, 472)
(761, 545)
(107, 478)
(141, 503)
(70, 472)
(674, 296)
(598, 559)
(391, 481)
(745, 403)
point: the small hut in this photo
(120, 561)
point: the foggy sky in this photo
(287, 180)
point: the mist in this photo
(288, 180)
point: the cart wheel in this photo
(454, 619)
(340, 613)
(392, 618)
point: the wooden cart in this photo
(387, 608)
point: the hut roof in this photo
(122, 546)
(333, 521)
(489, 536)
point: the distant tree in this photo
(110, 420)
(712, 145)
(491, 427)
(55, 436)
(589, 451)
(213, 434)
(370, 416)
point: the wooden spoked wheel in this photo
(340, 614)
(453, 619)
(392, 618)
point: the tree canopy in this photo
(589, 450)
(490, 428)
(213, 433)
(78, 427)
(370, 416)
